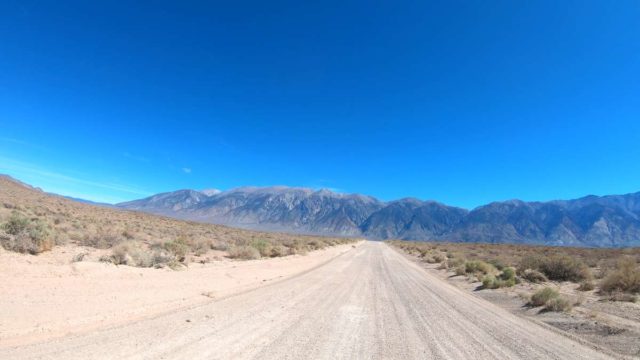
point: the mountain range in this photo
(594, 221)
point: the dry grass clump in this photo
(558, 304)
(244, 253)
(586, 285)
(43, 220)
(103, 240)
(26, 235)
(533, 276)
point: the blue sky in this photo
(465, 102)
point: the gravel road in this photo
(368, 303)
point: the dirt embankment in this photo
(48, 296)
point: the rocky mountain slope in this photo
(608, 221)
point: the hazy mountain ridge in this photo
(607, 221)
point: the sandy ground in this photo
(47, 296)
(369, 303)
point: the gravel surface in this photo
(368, 303)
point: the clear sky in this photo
(464, 102)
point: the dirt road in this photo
(368, 303)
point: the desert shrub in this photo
(498, 264)
(200, 246)
(26, 235)
(430, 260)
(458, 261)
(477, 266)
(558, 304)
(558, 267)
(16, 224)
(279, 250)
(542, 296)
(298, 250)
(490, 282)
(219, 245)
(102, 240)
(626, 278)
(506, 279)
(533, 276)
(131, 253)
(438, 258)
(178, 248)
(244, 253)
(508, 274)
(263, 247)
(586, 285)
(564, 268)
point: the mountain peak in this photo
(211, 192)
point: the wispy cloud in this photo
(9, 165)
(135, 157)
(21, 142)
(186, 170)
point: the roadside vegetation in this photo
(611, 274)
(33, 222)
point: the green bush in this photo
(489, 282)
(506, 279)
(508, 273)
(542, 296)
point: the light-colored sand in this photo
(368, 303)
(47, 296)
